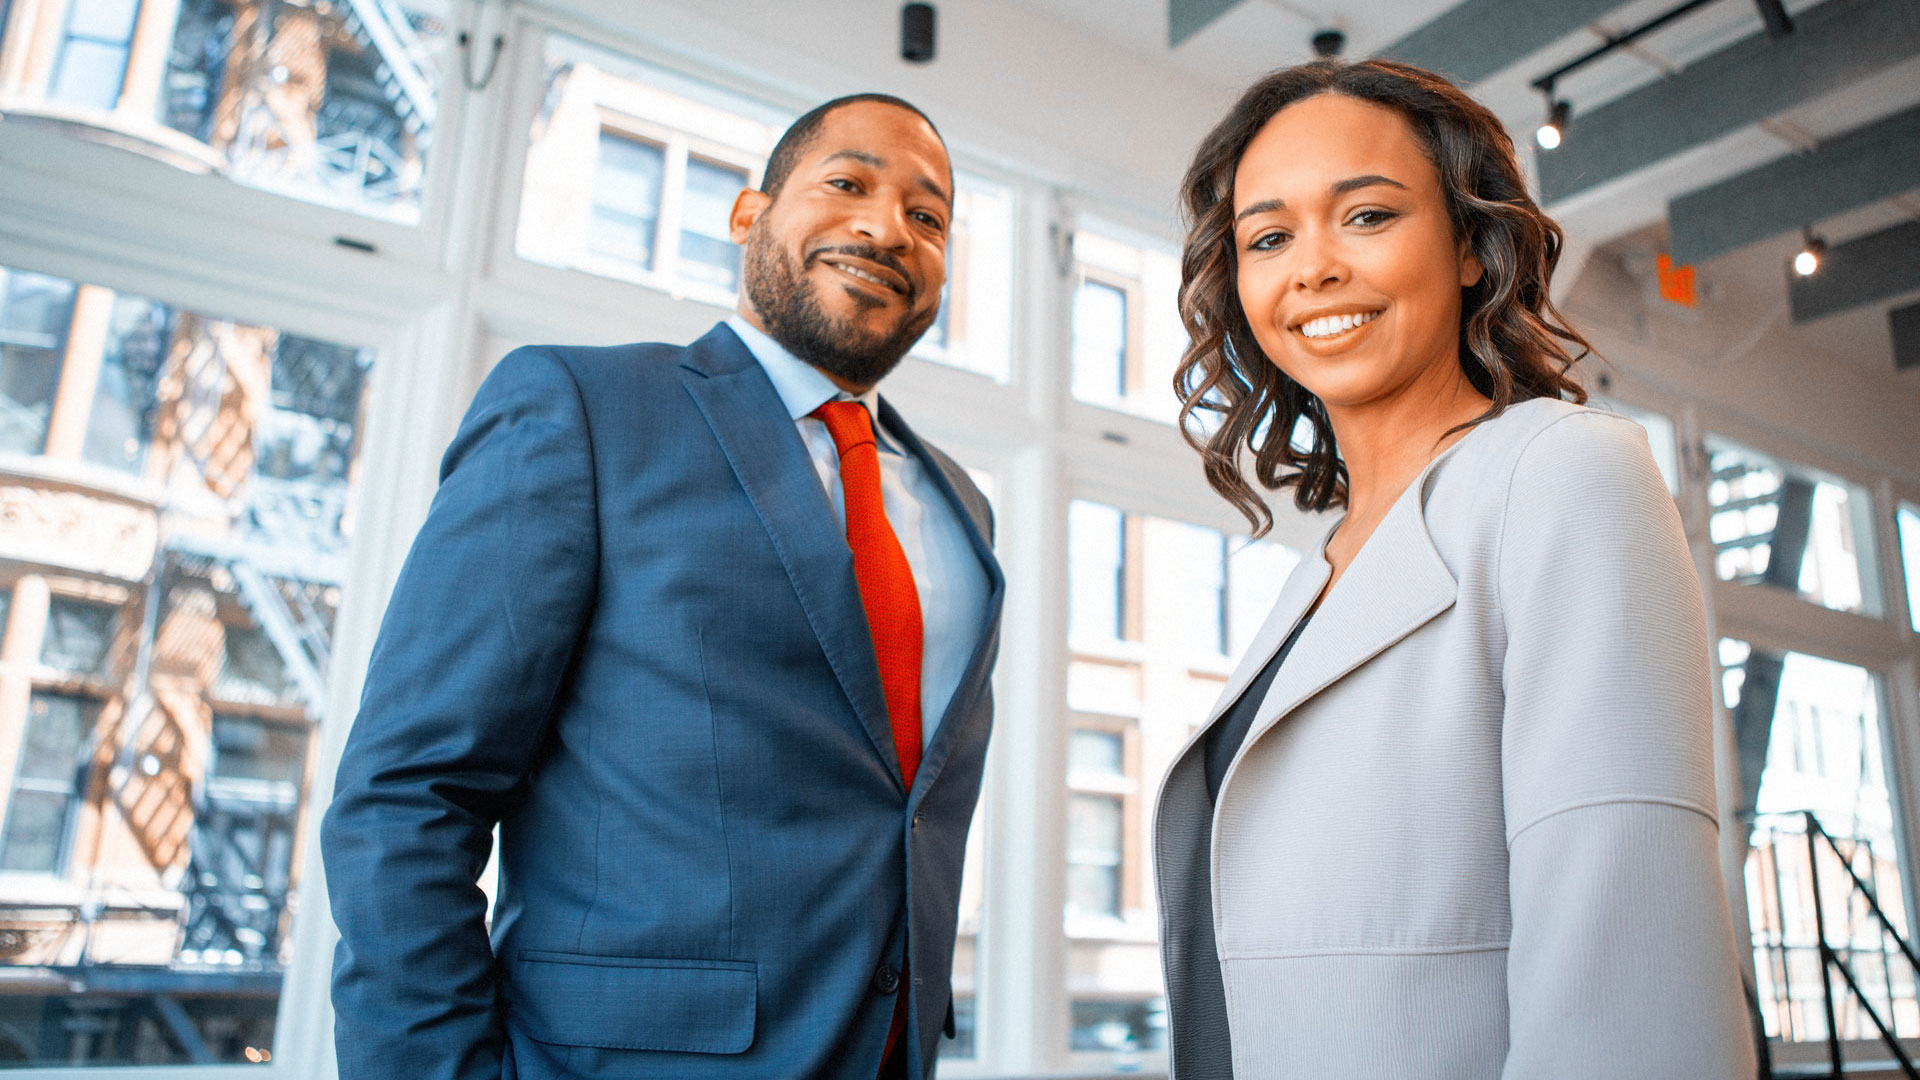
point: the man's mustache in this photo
(871, 254)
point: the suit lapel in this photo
(1395, 585)
(768, 457)
(980, 662)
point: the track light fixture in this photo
(1554, 129)
(1812, 250)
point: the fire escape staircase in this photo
(1839, 971)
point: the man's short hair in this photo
(799, 137)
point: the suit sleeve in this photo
(457, 702)
(1622, 959)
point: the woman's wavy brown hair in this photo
(1513, 342)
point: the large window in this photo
(47, 779)
(93, 53)
(34, 314)
(1791, 528)
(632, 171)
(180, 630)
(1811, 741)
(1126, 332)
(328, 102)
(1156, 611)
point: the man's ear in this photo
(747, 208)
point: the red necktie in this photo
(892, 602)
(886, 579)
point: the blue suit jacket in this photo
(629, 633)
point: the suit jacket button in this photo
(916, 820)
(886, 980)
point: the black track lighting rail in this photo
(1545, 83)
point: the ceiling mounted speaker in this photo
(916, 33)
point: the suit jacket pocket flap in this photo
(630, 1003)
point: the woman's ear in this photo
(1470, 269)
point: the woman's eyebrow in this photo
(1355, 183)
(1351, 183)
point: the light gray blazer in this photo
(1471, 833)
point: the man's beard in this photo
(790, 308)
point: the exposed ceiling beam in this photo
(1905, 323)
(1477, 38)
(1834, 44)
(1875, 267)
(1186, 18)
(1849, 171)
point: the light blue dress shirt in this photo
(947, 574)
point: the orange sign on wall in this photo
(1677, 283)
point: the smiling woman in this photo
(1458, 181)
(1476, 721)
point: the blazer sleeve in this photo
(1622, 960)
(457, 701)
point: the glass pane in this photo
(1096, 543)
(90, 74)
(1096, 754)
(57, 730)
(79, 636)
(612, 133)
(34, 314)
(1099, 342)
(121, 425)
(975, 328)
(333, 103)
(323, 102)
(1909, 526)
(36, 830)
(186, 849)
(1127, 336)
(248, 748)
(102, 20)
(1122, 1028)
(1162, 582)
(1197, 571)
(1095, 828)
(1255, 573)
(626, 200)
(1809, 733)
(706, 254)
(1790, 528)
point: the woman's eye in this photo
(1371, 218)
(1267, 241)
(843, 184)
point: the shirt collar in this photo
(801, 386)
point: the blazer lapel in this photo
(766, 453)
(1395, 585)
(1296, 596)
(980, 662)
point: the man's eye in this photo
(929, 221)
(843, 184)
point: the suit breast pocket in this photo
(634, 1003)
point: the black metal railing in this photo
(1870, 939)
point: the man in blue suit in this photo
(715, 667)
